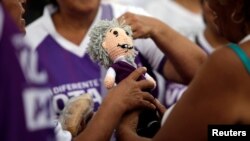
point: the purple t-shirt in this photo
(24, 102)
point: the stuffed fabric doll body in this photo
(111, 45)
(119, 45)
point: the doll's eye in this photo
(115, 33)
(127, 33)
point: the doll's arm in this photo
(150, 78)
(109, 80)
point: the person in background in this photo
(136, 3)
(184, 16)
(16, 11)
(24, 95)
(219, 92)
(209, 39)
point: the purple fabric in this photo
(123, 70)
(13, 120)
(108, 14)
(69, 74)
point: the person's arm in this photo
(122, 98)
(128, 133)
(184, 57)
(213, 97)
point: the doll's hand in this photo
(109, 82)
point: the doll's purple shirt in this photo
(123, 69)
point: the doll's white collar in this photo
(120, 58)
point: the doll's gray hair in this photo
(97, 35)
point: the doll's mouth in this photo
(125, 46)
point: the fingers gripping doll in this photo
(111, 45)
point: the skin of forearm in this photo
(102, 125)
(187, 58)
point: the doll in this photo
(111, 45)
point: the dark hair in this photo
(54, 2)
(246, 10)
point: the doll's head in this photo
(110, 40)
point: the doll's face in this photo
(118, 43)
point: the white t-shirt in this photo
(187, 23)
(176, 16)
(137, 3)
